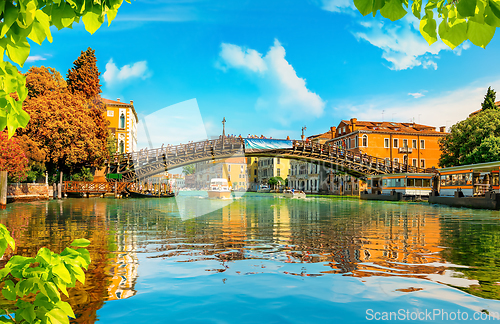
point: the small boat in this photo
(219, 188)
(293, 194)
(135, 194)
(264, 189)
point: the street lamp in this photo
(303, 129)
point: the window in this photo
(254, 171)
(122, 120)
(356, 141)
(414, 162)
(278, 161)
(405, 143)
(122, 147)
(278, 172)
(111, 113)
(241, 168)
(422, 144)
(386, 142)
(365, 141)
(395, 143)
(422, 163)
(414, 142)
(229, 167)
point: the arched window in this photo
(365, 140)
(122, 147)
(356, 141)
(122, 120)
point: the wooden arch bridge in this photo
(149, 162)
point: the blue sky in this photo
(271, 67)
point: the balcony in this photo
(405, 150)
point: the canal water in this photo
(267, 259)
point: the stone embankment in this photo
(28, 192)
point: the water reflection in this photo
(307, 238)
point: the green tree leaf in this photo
(428, 28)
(480, 34)
(416, 8)
(453, 34)
(80, 242)
(9, 291)
(393, 10)
(466, 8)
(364, 6)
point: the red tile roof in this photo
(392, 127)
(477, 111)
(119, 103)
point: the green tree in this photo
(31, 19)
(489, 100)
(474, 140)
(276, 181)
(189, 169)
(475, 20)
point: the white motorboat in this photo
(294, 194)
(219, 188)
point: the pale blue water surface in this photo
(266, 259)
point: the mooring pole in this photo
(3, 189)
(59, 186)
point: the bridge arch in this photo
(149, 162)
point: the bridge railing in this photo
(362, 159)
(176, 150)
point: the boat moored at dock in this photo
(473, 186)
(398, 186)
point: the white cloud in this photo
(442, 109)
(283, 94)
(402, 44)
(417, 95)
(34, 58)
(114, 75)
(344, 6)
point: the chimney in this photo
(353, 124)
(333, 129)
(118, 99)
(442, 129)
(132, 102)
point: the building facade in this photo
(232, 169)
(122, 124)
(253, 177)
(408, 143)
(271, 167)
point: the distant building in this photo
(232, 169)
(122, 124)
(190, 181)
(408, 143)
(272, 167)
(253, 169)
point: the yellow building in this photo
(272, 167)
(408, 143)
(122, 124)
(253, 173)
(232, 169)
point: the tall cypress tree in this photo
(83, 77)
(489, 100)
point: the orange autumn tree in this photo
(63, 126)
(12, 158)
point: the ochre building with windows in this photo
(409, 143)
(122, 124)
